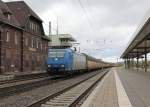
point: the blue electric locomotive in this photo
(67, 61)
(59, 60)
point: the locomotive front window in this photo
(56, 54)
(52, 54)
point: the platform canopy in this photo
(140, 41)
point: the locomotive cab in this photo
(59, 60)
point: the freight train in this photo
(67, 61)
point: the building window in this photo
(36, 28)
(30, 25)
(16, 38)
(26, 41)
(37, 44)
(45, 48)
(7, 36)
(32, 43)
(8, 16)
(41, 46)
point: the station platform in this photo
(121, 88)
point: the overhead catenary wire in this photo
(89, 9)
(86, 14)
(89, 16)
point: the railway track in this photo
(25, 84)
(72, 95)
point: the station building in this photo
(23, 44)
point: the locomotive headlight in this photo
(49, 65)
(62, 66)
(56, 59)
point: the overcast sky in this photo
(102, 27)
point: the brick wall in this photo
(10, 49)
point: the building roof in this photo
(22, 12)
(136, 46)
(66, 36)
(46, 38)
(4, 9)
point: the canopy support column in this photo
(145, 56)
(137, 61)
(132, 63)
(125, 62)
(129, 63)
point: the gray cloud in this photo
(103, 27)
